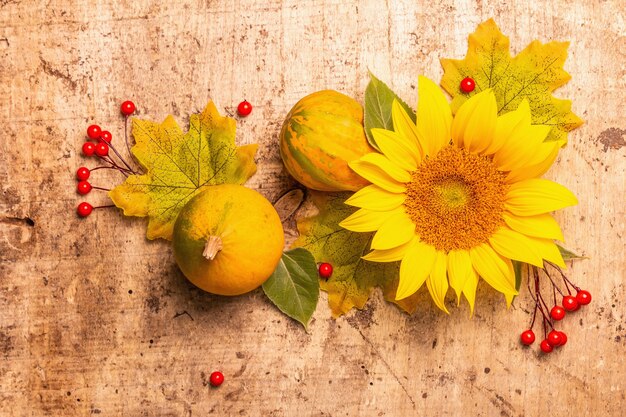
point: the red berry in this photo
(528, 337)
(216, 379)
(106, 136)
(84, 209)
(557, 313)
(127, 108)
(468, 85)
(545, 346)
(82, 174)
(93, 132)
(244, 108)
(102, 149)
(83, 187)
(583, 297)
(554, 338)
(570, 303)
(88, 149)
(563, 338)
(325, 270)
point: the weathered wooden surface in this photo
(90, 312)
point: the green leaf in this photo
(378, 100)
(294, 286)
(353, 278)
(569, 255)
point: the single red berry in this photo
(82, 173)
(106, 136)
(554, 338)
(244, 108)
(528, 337)
(325, 270)
(216, 379)
(102, 149)
(545, 346)
(84, 209)
(570, 303)
(127, 108)
(468, 85)
(89, 149)
(93, 132)
(583, 297)
(83, 187)
(557, 313)
(563, 338)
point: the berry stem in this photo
(109, 167)
(114, 165)
(100, 188)
(106, 206)
(121, 159)
(126, 140)
(565, 279)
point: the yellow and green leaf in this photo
(178, 165)
(353, 277)
(533, 74)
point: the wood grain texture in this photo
(95, 319)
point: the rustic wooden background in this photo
(95, 319)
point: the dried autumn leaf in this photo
(353, 278)
(179, 164)
(532, 74)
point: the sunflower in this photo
(458, 198)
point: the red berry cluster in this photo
(569, 303)
(99, 144)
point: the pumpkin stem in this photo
(212, 247)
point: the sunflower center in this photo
(456, 199)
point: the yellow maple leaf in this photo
(532, 74)
(178, 165)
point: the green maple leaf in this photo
(353, 278)
(532, 74)
(178, 165)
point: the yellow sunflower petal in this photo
(364, 220)
(513, 245)
(434, 117)
(374, 174)
(459, 270)
(389, 255)
(415, 267)
(537, 196)
(404, 126)
(509, 300)
(474, 124)
(497, 271)
(469, 290)
(525, 148)
(437, 281)
(550, 252)
(541, 225)
(397, 230)
(375, 198)
(399, 150)
(537, 170)
(385, 164)
(508, 125)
